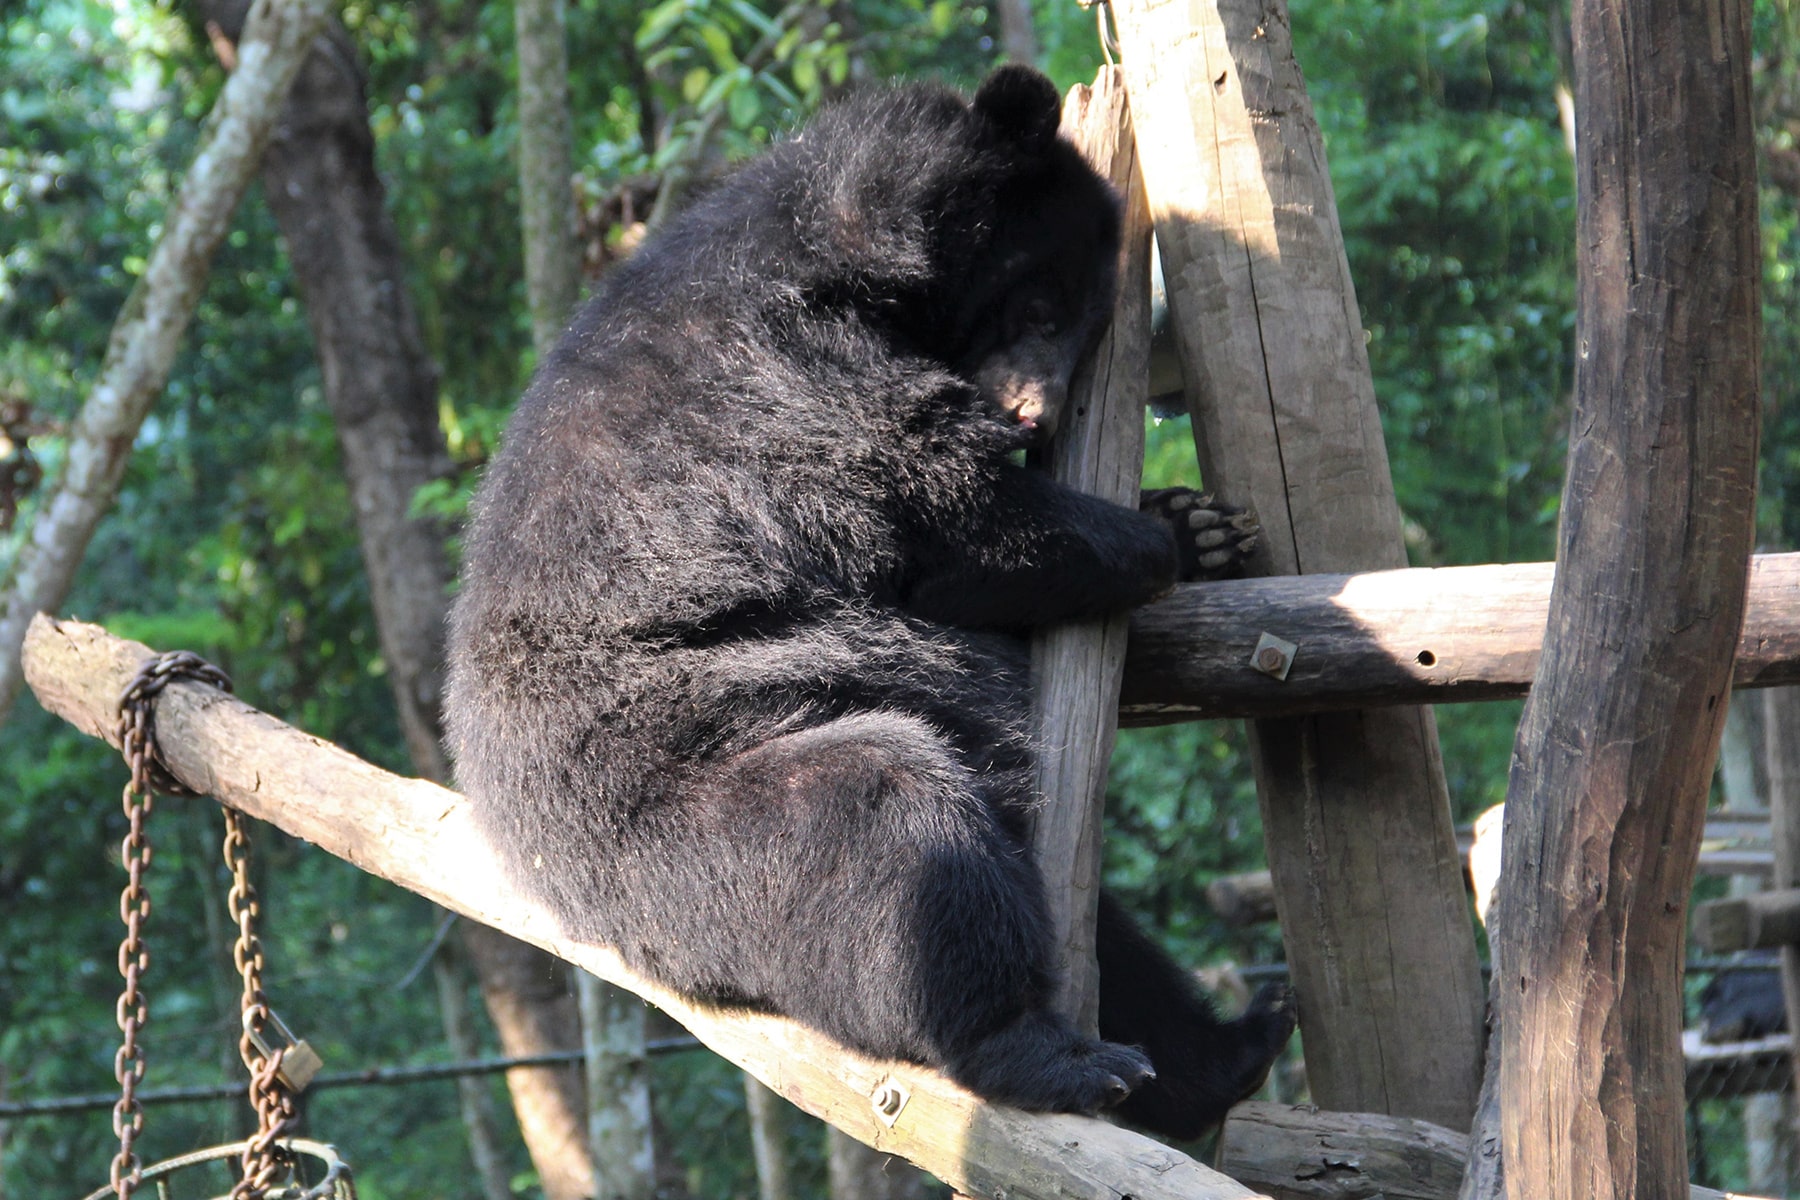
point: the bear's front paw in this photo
(1212, 540)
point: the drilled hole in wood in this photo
(1427, 659)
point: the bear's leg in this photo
(875, 893)
(1203, 1065)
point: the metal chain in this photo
(137, 741)
(274, 1102)
(134, 960)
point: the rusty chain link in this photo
(137, 741)
(134, 960)
(270, 1096)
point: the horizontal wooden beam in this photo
(421, 837)
(1760, 921)
(1297, 1152)
(1248, 897)
(1423, 636)
(1723, 1070)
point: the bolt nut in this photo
(1273, 656)
(889, 1099)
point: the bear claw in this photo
(1212, 540)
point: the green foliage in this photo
(1456, 194)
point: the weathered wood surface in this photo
(1719, 1070)
(1762, 920)
(1301, 1153)
(1616, 748)
(1296, 1152)
(1421, 636)
(1781, 762)
(420, 836)
(1355, 810)
(1076, 666)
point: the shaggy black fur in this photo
(737, 684)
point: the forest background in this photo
(235, 533)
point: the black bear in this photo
(737, 676)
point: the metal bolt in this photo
(888, 1099)
(1273, 656)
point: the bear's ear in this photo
(1022, 105)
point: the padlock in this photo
(299, 1061)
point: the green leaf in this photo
(695, 84)
(659, 22)
(718, 44)
(721, 87)
(782, 91)
(744, 106)
(806, 74)
(753, 17)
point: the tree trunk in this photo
(767, 1143)
(546, 189)
(531, 998)
(320, 181)
(1018, 36)
(620, 1137)
(471, 1090)
(1615, 752)
(857, 1172)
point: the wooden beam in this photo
(1301, 1153)
(1076, 666)
(1616, 748)
(1761, 920)
(1422, 636)
(420, 836)
(1247, 897)
(1722, 1070)
(1355, 810)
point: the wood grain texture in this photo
(1302, 1153)
(1076, 666)
(420, 836)
(1759, 921)
(1616, 748)
(1297, 1152)
(1423, 636)
(1355, 811)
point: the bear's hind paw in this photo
(1040, 1064)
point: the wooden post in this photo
(1781, 749)
(1076, 666)
(1615, 752)
(1355, 812)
